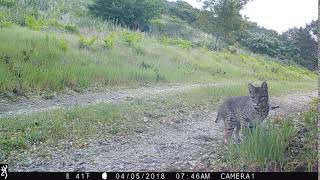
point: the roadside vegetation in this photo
(45, 49)
(50, 46)
(21, 133)
(36, 62)
(282, 144)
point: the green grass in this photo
(103, 120)
(47, 56)
(277, 146)
(34, 61)
(264, 146)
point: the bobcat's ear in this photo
(264, 85)
(251, 88)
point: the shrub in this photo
(7, 3)
(158, 25)
(134, 14)
(4, 24)
(33, 23)
(184, 44)
(68, 27)
(131, 38)
(110, 40)
(71, 28)
(64, 45)
(84, 42)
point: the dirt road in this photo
(179, 144)
(27, 106)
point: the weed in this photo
(71, 28)
(110, 40)
(184, 44)
(64, 45)
(5, 24)
(131, 38)
(86, 42)
(55, 23)
(33, 23)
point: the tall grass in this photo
(277, 146)
(264, 146)
(39, 61)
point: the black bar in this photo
(162, 175)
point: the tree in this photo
(182, 10)
(227, 18)
(306, 44)
(134, 14)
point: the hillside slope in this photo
(35, 61)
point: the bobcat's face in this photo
(259, 96)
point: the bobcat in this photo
(245, 111)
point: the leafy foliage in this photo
(227, 19)
(8, 3)
(182, 10)
(86, 42)
(298, 44)
(63, 27)
(33, 23)
(64, 45)
(134, 14)
(71, 28)
(5, 24)
(110, 40)
(184, 44)
(131, 38)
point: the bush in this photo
(55, 23)
(85, 43)
(5, 24)
(131, 38)
(158, 25)
(71, 28)
(184, 44)
(64, 45)
(134, 14)
(68, 27)
(33, 23)
(7, 3)
(110, 40)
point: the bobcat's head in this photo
(259, 96)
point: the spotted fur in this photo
(245, 111)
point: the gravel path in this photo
(38, 104)
(179, 144)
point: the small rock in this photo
(145, 119)
(191, 163)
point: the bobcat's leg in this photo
(229, 124)
(238, 139)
